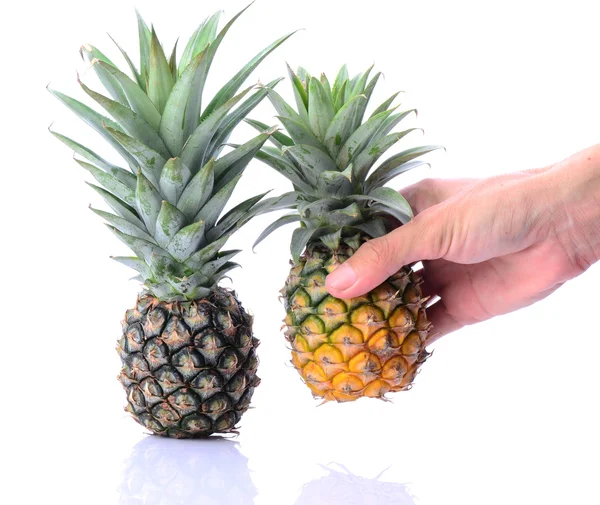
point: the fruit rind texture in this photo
(188, 368)
(346, 349)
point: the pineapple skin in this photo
(346, 349)
(189, 367)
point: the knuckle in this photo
(428, 190)
(379, 251)
(421, 194)
(429, 183)
(435, 233)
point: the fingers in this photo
(441, 321)
(374, 262)
(379, 258)
(430, 192)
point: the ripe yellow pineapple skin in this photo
(346, 349)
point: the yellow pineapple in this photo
(369, 345)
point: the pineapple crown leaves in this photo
(167, 204)
(331, 154)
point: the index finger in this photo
(430, 192)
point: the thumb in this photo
(379, 258)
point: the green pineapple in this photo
(187, 348)
(373, 344)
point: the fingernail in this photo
(342, 277)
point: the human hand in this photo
(488, 246)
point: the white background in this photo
(504, 412)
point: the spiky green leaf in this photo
(233, 119)
(169, 221)
(366, 159)
(360, 138)
(132, 67)
(137, 99)
(300, 95)
(196, 260)
(211, 211)
(198, 191)
(368, 91)
(148, 202)
(300, 133)
(148, 160)
(206, 60)
(304, 76)
(333, 183)
(142, 248)
(137, 264)
(200, 39)
(119, 206)
(282, 221)
(332, 240)
(237, 216)
(391, 122)
(160, 77)
(97, 122)
(189, 287)
(277, 138)
(173, 62)
(391, 201)
(312, 160)
(390, 170)
(173, 179)
(373, 227)
(131, 122)
(97, 160)
(300, 238)
(341, 127)
(111, 183)
(210, 268)
(123, 225)
(187, 241)
(385, 105)
(339, 99)
(93, 55)
(231, 88)
(195, 149)
(339, 83)
(359, 83)
(272, 158)
(283, 108)
(320, 109)
(232, 165)
(145, 37)
(287, 200)
(182, 110)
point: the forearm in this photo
(574, 184)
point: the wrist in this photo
(573, 186)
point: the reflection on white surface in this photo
(163, 471)
(341, 487)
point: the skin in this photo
(488, 246)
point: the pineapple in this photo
(187, 349)
(370, 345)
